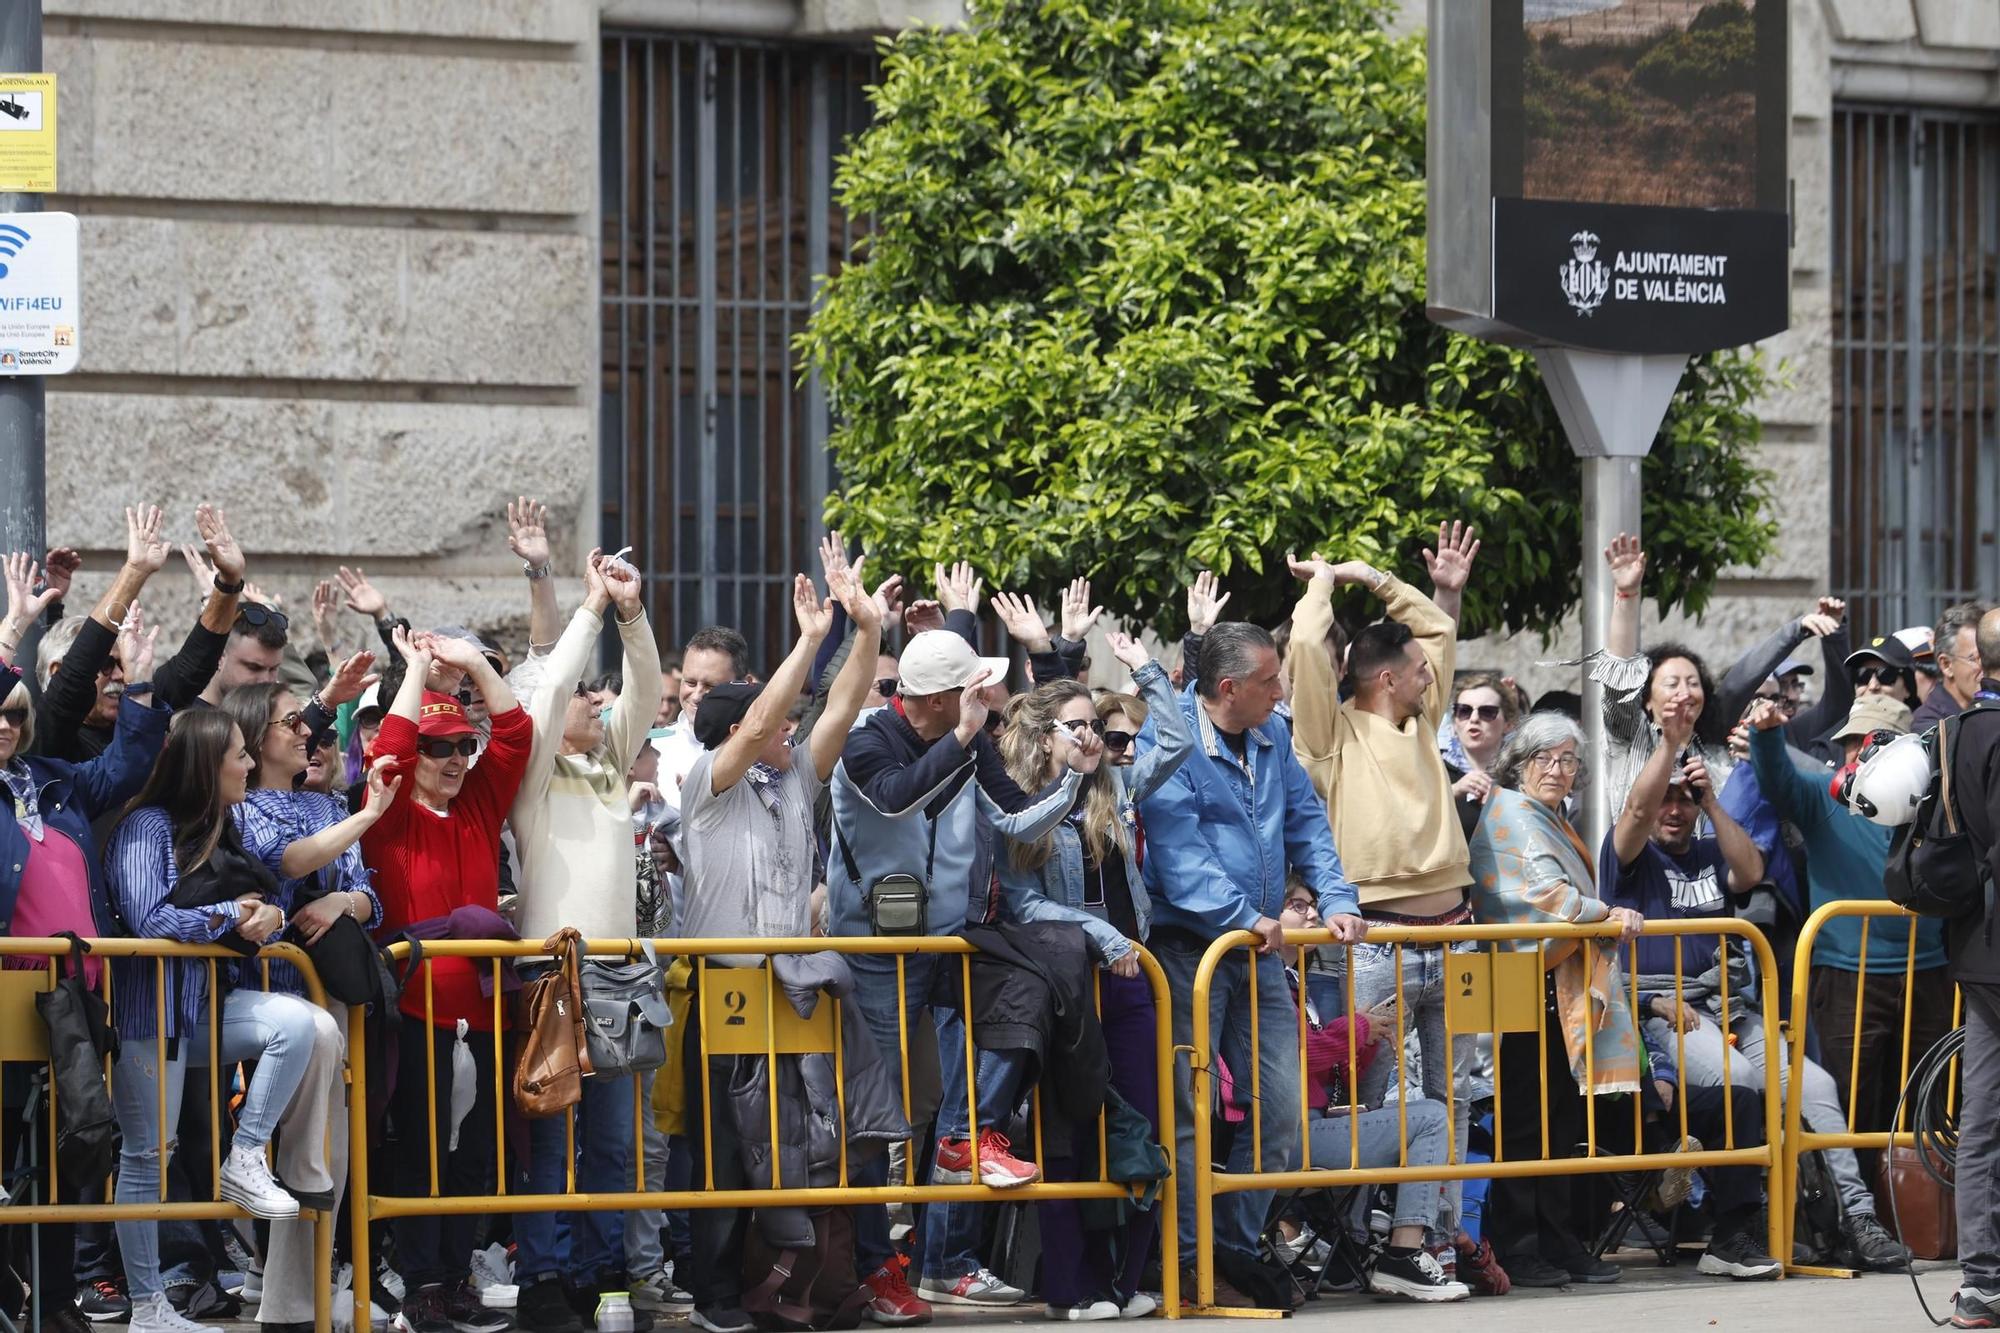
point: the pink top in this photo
(55, 897)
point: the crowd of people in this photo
(886, 778)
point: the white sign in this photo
(39, 327)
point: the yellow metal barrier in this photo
(1503, 1012)
(1799, 1139)
(768, 1031)
(25, 1040)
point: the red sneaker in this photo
(1479, 1269)
(890, 1300)
(997, 1166)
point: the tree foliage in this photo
(1144, 294)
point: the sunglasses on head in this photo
(1078, 725)
(256, 615)
(1877, 675)
(1484, 712)
(14, 717)
(441, 748)
(886, 687)
(1116, 741)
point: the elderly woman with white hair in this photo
(1529, 864)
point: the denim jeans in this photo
(1239, 1218)
(603, 1143)
(1377, 1135)
(644, 1255)
(951, 1230)
(1438, 1051)
(276, 1031)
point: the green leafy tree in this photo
(1144, 295)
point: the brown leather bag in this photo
(555, 1055)
(1926, 1212)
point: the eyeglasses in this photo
(1560, 763)
(466, 746)
(257, 615)
(1116, 741)
(1877, 675)
(294, 722)
(1484, 712)
(1078, 725)
(16, 718)
(886, 687)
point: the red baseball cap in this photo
(443, 715)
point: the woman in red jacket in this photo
(433, 852)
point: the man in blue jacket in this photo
(1221, 834)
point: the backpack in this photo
(1816, 1223)
(80, 1037)
(1934, 869)
(804, 1289)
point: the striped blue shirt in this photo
(140, 863)
(272, 820)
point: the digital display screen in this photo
(1661, 103)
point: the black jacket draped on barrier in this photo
(1032, 990)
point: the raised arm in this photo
(1450, 567)
(1315, 675)
(1739, 851)
(528, 538)
(1628, 573)
(1642, 804)
(561, 671)
(851, 687)
(638, 703)
(766, 717)
(1804, 802)
(1173, 742)
(306, 856)
(1836, 694)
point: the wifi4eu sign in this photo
(40, 333)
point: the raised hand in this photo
(847, 588)
(59, 567)
(1022, 621)
(528, 531)
(382, 788)
(958, 588)
(1086, 751)
(135, 647)
(350, 680)
(1628, 564)
(1450, 565)
(24, 604)
(1677, 719)
(922, 615)
(146, 548)
(814, 616)
(213, 527)
(972, 710)
(1765, 715)
(1078, 615)
(1130, 653)
(326, 613)
(1318, 567)
(889, 598)
(832, 555)
(416, 649)
(1825, 619)
(455, 653)
(362, 596)
(1205, 601)
(621, 582)
(1695, 774)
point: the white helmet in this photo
(1890, 779)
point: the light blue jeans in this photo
(277, 1031)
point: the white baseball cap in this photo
(938, 660)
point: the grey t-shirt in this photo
(748, 856)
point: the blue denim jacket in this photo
(1055, 891)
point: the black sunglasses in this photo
(1877, 675)
(16, 718)
(886, 687)
(994, 722)
(1077, 725)
(1484, 712)
(257, 615)
(445, 749)
(1115, 741)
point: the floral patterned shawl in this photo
(1529, 865)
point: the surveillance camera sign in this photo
(39, 322)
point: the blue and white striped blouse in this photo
(272, 820)
(140, 863)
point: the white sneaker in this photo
(156, 1315)
(1087, 1313)
(1143, 1303)
(492, 1277)
(247, 1182)
(252, 1288)
(389, 1280)
(975, 1288)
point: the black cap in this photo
(722, 708)
(1886, 649)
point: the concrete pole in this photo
(1610, 506)
(23, 418)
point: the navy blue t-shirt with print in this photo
(1660, 885)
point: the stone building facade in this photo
(346, 272)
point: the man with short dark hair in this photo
(1222, 833)
(1955, 651)
(1974, 745)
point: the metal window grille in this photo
(1915, 381)
(719, 223)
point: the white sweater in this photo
(572, 819)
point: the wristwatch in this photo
(536, 573)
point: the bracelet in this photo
(536, 573)
(227, 589)
(318, 701)
(1623, 596)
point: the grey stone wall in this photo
(338, 277)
